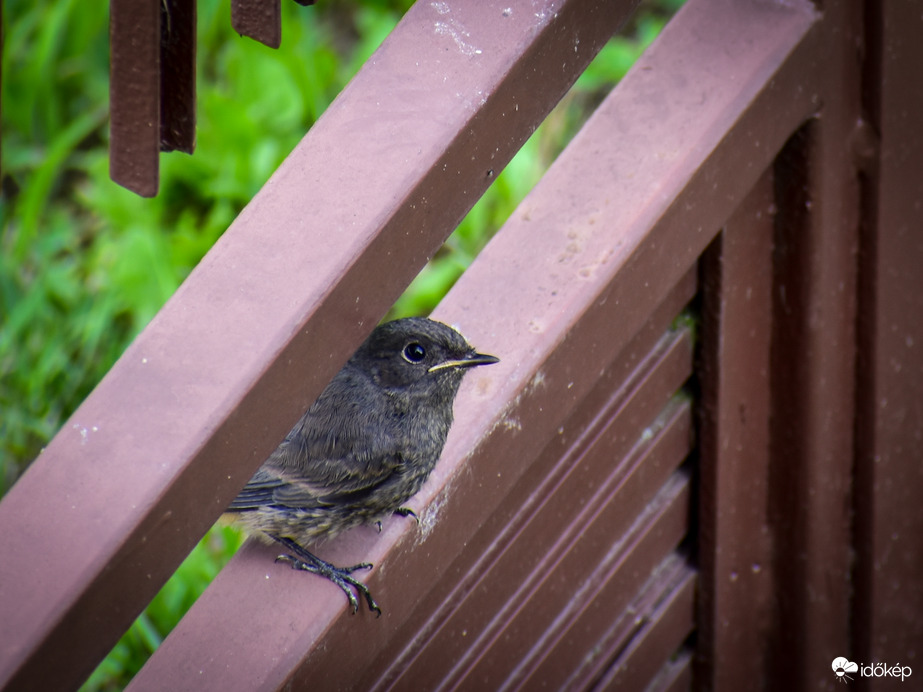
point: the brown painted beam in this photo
(151, 88)
(178, 75)
(134, 94)
(889, 473)
(260, 20)
(814, 369)
(666, 612)
(734, 375)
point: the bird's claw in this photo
(407, 512)
(403, 512)
(341, 576)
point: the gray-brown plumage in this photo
(364, 447)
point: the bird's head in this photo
(419, 354)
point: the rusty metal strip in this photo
(574, 273)
(134, 94)
(734, 549)
(204, 394)
(177, 75)
(261, 20)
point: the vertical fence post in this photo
(813, 369)
(734, 372)
(889, 479)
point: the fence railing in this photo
(574, 514)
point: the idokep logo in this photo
(843, 666)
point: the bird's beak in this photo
(467, 362)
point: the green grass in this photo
(84, 264)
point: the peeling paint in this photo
(430, 516)
(512, 424)
(454, 29)
(84, 432)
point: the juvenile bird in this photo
(363, 448)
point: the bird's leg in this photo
(308, 562)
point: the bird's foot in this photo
(341, 576)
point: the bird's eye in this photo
(414, 352)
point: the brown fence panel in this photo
(813, 368)
(575, 534)
(608, 236)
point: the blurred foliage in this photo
(174, 599)
(85, 264)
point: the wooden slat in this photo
(735, 534)
(554, 593)
(563, 647)
(134, 94)
(676, 674)
(888, 624)
(152, 88)
(667, 615)
(621, 643)
(814, 369)
(260, 20)
(178, 75)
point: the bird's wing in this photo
(299, 493)
(316, 483)
(343, 448)
(258, 492)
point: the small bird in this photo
(363, 448)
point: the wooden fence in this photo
(633, 497)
